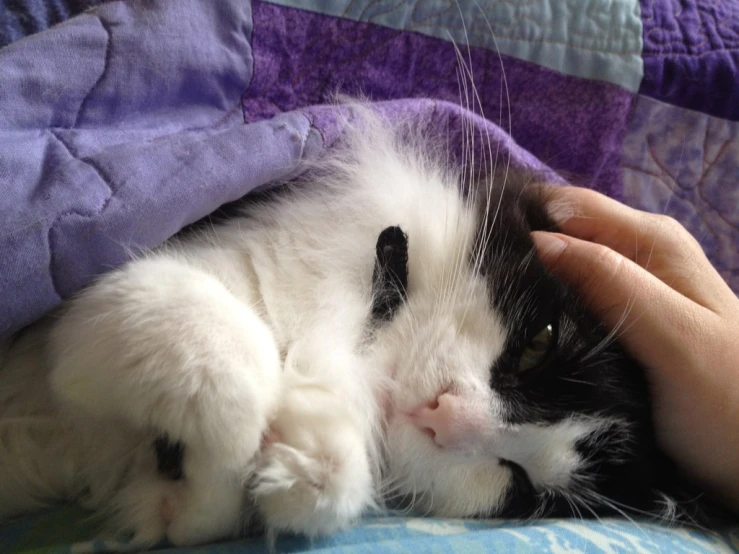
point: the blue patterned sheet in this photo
(45, 534)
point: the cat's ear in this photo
(538, 207)
(518, 199)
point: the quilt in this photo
(123, 124)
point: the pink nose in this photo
(451, 420)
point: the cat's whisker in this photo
(471, 186)
(508, 103)
(602, 500)
(572, 503)
(467, 165)
(428, 502)
(577, 381)
(617, 507)
(391, 487)
(615, 332)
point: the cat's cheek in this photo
(440, 481)
(407, 452)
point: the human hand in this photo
(648, 279)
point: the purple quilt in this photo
(122, 125)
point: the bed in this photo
(131, 119)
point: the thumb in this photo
(649, 318)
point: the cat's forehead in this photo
(520, 288)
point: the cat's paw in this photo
(137, 510)
(199, 514)
(164, 345)
(314, 476)
(197, 509)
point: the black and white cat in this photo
(381, 331)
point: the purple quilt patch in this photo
(302, 58)
(684, 163)
(691, 54)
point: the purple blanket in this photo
(122, 125)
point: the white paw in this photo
(313, 477)
(203, 507)
(138, 509)
(199, 514)
(163, 345)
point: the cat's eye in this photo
(537, 349)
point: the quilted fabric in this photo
(603, 42)
(691, 54)
(685, 164)
(125, 123)
(19, 18)
(320, 55)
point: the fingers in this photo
(650, 282)
(657, 243)
(649, 317)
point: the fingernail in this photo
(548, 245)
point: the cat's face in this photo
(506, 398)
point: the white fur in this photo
(249, 344)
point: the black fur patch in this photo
(521, 498)
(390, 276)
(169, 458)
(581, 377)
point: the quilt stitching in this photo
(670, 165)
(692, 31)
(447, 24)
(74, 211)
(108, 48)
(577, 38)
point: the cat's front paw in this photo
(314, 476)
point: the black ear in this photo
(390, 276)
(535, 205)
(517, 198)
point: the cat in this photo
(379, 333)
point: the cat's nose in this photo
(451, 420)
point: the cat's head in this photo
(507, 397)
